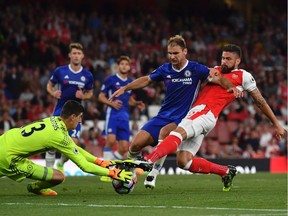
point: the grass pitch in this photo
(252, 194)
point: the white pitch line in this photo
(137, 206)
(236, 209)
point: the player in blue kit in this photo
(69, 82)
(117, 112)
(182, 79)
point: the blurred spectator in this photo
(237, 111)
(213, 148)
(253, 139)
(6, 122)
(283, 144)
(273, 149)
(265, 135)
(93, 141)
(26, 94)
(134, 129)
(91, 112)
(12, 81)
(31, 48)
(236, 150)
(20, 112)
(248, 152)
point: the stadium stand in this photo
(34, 38)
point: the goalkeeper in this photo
(51, 133)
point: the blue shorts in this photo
(154, 125)
(76, 132)
(118, 127)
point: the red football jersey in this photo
(215, 97)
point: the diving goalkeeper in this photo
(51, 133)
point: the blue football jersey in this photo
(69, 82)
(182, 88)
(110, 85)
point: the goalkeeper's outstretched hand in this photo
(107, 163)
(119, 174)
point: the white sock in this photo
(158, 164)
(187, 166)
(133, 155)
(50, 158)
(117, 156)
(107, 153)
(63, 159)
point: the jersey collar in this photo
(182, 67)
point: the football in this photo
(124, 187)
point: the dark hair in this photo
(177, 40)
(121, 58)
(233, 48)
(76, 46)
(71, 107)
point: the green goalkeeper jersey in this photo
(41, 136)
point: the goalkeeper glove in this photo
(119, 174)
(107, 163)
(104, 163)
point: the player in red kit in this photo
(186, 139)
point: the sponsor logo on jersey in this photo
(79, 84)
(185, 81)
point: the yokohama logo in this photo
(182, 80)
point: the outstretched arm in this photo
(265, 108)
(141, 82)
(91, 164)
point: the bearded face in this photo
(225, 69)
(229, 62)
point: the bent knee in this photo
(141, 140)
(183, 158)
(134, 147)
(139, 144)
(58, 176)
(181, 163)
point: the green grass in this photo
(252, 194)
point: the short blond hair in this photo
(75, 46)
(177, 40)
(122, 58)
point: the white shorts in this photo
(198, 122)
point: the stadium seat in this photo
(223, 132)
(232, 126)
